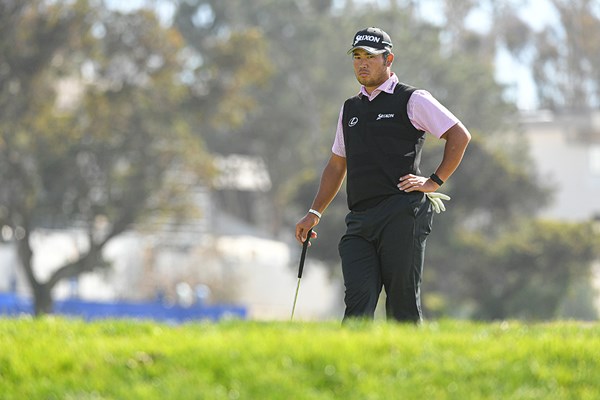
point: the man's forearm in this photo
(331, 181)
(457, 139)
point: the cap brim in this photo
(371, 50)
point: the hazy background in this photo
(167, 148)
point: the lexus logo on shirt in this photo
(353, 121)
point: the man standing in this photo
(378, 143)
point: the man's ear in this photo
(389, 60)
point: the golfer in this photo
(378, 142)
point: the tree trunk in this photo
(43, 303)
(41, 293)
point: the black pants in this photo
(384, 247)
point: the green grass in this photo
(56, 358)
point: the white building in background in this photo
(566, 151)
(218, 257)
(257, 273)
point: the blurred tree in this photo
(90, 136)
(562, 56)
(566, 57)
(285, 127)
(525, 273)
(293, 125)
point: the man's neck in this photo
(370, 89)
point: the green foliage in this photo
(54, 358)
(580, 301)
(524, 273)
(92, 135)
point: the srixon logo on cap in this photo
(369, 38)
(373, 40)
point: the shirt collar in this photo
(388, 86)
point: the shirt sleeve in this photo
(429, 115)
(339, 147)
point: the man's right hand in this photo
(307, 222)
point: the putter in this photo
(300, 269)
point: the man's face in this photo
(371, 70)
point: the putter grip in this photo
(303, 255)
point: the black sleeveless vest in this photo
(381, 146)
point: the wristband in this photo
(318, 214)
(436, 179)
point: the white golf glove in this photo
(436, 201)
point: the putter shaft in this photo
(300, 269)
(295, 298)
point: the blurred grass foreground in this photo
(57, 358)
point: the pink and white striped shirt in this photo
(424, 112)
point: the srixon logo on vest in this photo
(368, 38)
(384, 116)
